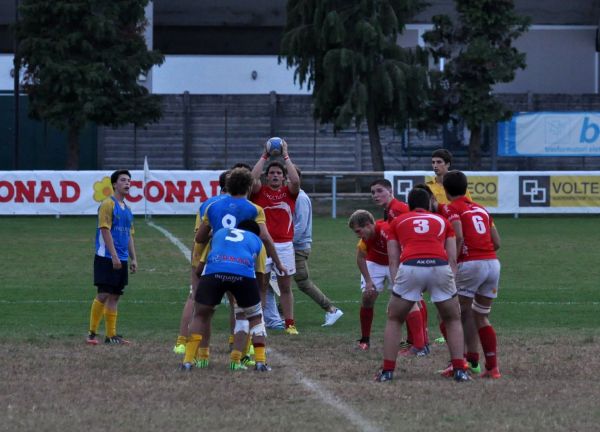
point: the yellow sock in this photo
(230, 339)
(181, 340)
(203, 353)
(110, 321)
(96, 315)
(191, 347)
(260, 354)
(235, 356)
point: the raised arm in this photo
(292, 174)
(257, 171)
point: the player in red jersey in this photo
(478, 273)
(383, 196)
(427, 262)
(278, 199)
(381, 192)
(372, 261)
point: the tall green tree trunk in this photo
(375, 141)
(475, 148)
(73, 149)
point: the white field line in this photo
(182, 247)
(321, 393)
(329, 398)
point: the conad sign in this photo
(80, 192)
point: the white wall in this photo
(223, 74)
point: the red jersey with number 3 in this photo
(476, 227)
(421, 234)
(394, 209)
(279, 206)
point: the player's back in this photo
(230, 211)
(233, 251)
(421, 234)
(476, 225)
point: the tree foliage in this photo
(478, 53)
(347, 52)
(82, 60)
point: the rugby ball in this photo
(274, 146)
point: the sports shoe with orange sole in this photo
(491, 373)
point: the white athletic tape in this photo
(258, 330)
(241, 326)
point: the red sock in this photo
(289, 322)
(425, 323)
(409, 335)
(389, 365)
(459, 364)
(487, 336)
(414, 321)
(443, 329)
(366, 319)
(472, 357)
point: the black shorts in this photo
(212, 287)
(107, 279)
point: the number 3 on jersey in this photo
(421, 226)
(235, 235)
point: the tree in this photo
(478, 53)
(347, 52)
(82, 59)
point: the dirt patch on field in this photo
(317, 383)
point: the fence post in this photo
(334, 195)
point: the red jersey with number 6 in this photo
(421, 234)
(476, 227)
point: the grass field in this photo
(547, 319)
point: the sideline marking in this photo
(330, 398)
(182, 247)
(324, 395)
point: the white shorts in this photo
(412, 280)
(379, 274)
(478, 277)
(285, 252)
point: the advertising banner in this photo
(81, 192)
(519, 192)
(550, 134)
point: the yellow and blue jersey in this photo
(120, 223)
(233, 251)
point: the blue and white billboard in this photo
(550, 134)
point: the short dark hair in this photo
(249, 225)
(424, 187)
(381, 182)
(277, 164)
(443, 154)
(418, 198)
(223, 180)
(242, 165)
(239, 181)
(115, 176)
(455, 183)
